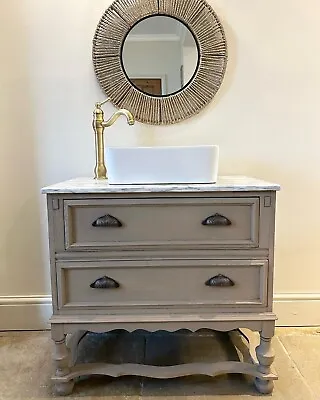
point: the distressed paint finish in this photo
(162, 270)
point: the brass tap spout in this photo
(100, 170)
(116, 115)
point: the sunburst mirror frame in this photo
(110, 34)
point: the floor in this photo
(25, 366)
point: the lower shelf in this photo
(174, 371)
(252, 357)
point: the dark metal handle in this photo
(105, 283)
(216, 220)
(219, 281)
(107, 221)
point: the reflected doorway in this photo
(151, 86)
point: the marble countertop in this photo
(224, 183)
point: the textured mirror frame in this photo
(111, 31)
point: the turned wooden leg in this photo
(61, 358)
(265, 356)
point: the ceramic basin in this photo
(162, 165)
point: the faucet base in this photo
(100, 172)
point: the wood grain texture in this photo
(111, 31)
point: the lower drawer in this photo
(163, 283)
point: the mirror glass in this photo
(160, 55)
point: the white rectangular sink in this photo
(162, 165)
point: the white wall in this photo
(265, 119)
(190, 60)
(151, 59)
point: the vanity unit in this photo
(161, 257)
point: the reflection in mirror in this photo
(160, 55)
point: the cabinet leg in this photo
(61, 358)
(265, 356)
(63, 388)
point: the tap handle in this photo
(98, 105)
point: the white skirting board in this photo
(25, 312)
(297, 309)
(33, 312)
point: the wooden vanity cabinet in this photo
(161, 257)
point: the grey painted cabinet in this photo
(166, 257)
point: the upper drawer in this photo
(186, 222)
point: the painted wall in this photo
(265, 119)
(190, 60)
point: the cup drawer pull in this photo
(107, 221)
(105, 283)
(219, 281)
(216, 220)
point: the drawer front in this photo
(187, 223)
(166, 283)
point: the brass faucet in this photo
(100, 170)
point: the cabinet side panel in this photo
(267, 231)
(272, 217)
(55, 219)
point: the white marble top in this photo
(225, 183)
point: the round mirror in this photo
(163, 60)
(160, 55)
